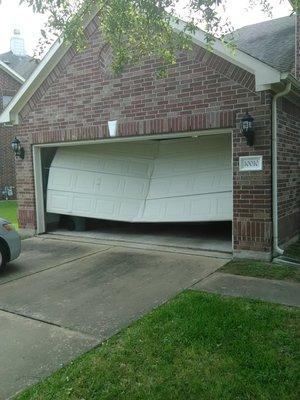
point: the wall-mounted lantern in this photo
(17, 148)
(247, 128)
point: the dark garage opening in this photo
(210, 236)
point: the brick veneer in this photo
(288, 170)
(202, 91)
(297, 46)
(7, 159)
(8, 87)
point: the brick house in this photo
(15, 68)
(9, 85)
(137, 148)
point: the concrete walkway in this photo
(274, 291)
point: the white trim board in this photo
(178, 135)
(264, 74)
(38, 189)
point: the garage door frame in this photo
(37, 160)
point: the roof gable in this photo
(264, 74)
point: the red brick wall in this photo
(201, 92)
(288, 170)
(297, 47)
(8, 87)
(7, 159)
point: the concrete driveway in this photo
(63, 297)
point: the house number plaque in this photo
(251, 163)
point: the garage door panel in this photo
(140, 150)
(190, 165)
(140, 169)
(136, 188)
(188, 209)
(173, 180)
(61, 181)
(59, 202)
(84, 182)
(63, 158)
(210, 207)
(117, 209)
(127, 167)
(83, 205)
(111, 164)
(112, 185)
(169, 148)
(219, 181)
(101, 184)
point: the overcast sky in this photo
(12, 16)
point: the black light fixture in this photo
(247, 128)
(17, 148)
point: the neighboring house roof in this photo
(272, 42)
(265, 75)
(4, 67)
(23, 65)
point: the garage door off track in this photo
(178, 180)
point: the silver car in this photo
(10, 243)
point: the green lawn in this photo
(8, 210)
(262, 269)
(197, 346)
(293, 251)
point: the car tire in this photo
(3, 256)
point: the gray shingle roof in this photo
(23, 65)
(272, 42)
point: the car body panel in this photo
(12, 239)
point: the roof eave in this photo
(10, 115)
(54, 55)
(294, 94)
(287, 76)
(11, 72)
(264, 74)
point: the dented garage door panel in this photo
(154, 181)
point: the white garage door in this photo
(150, 181)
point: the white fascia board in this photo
(265, 75)
(11, 72)
(54, 55)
